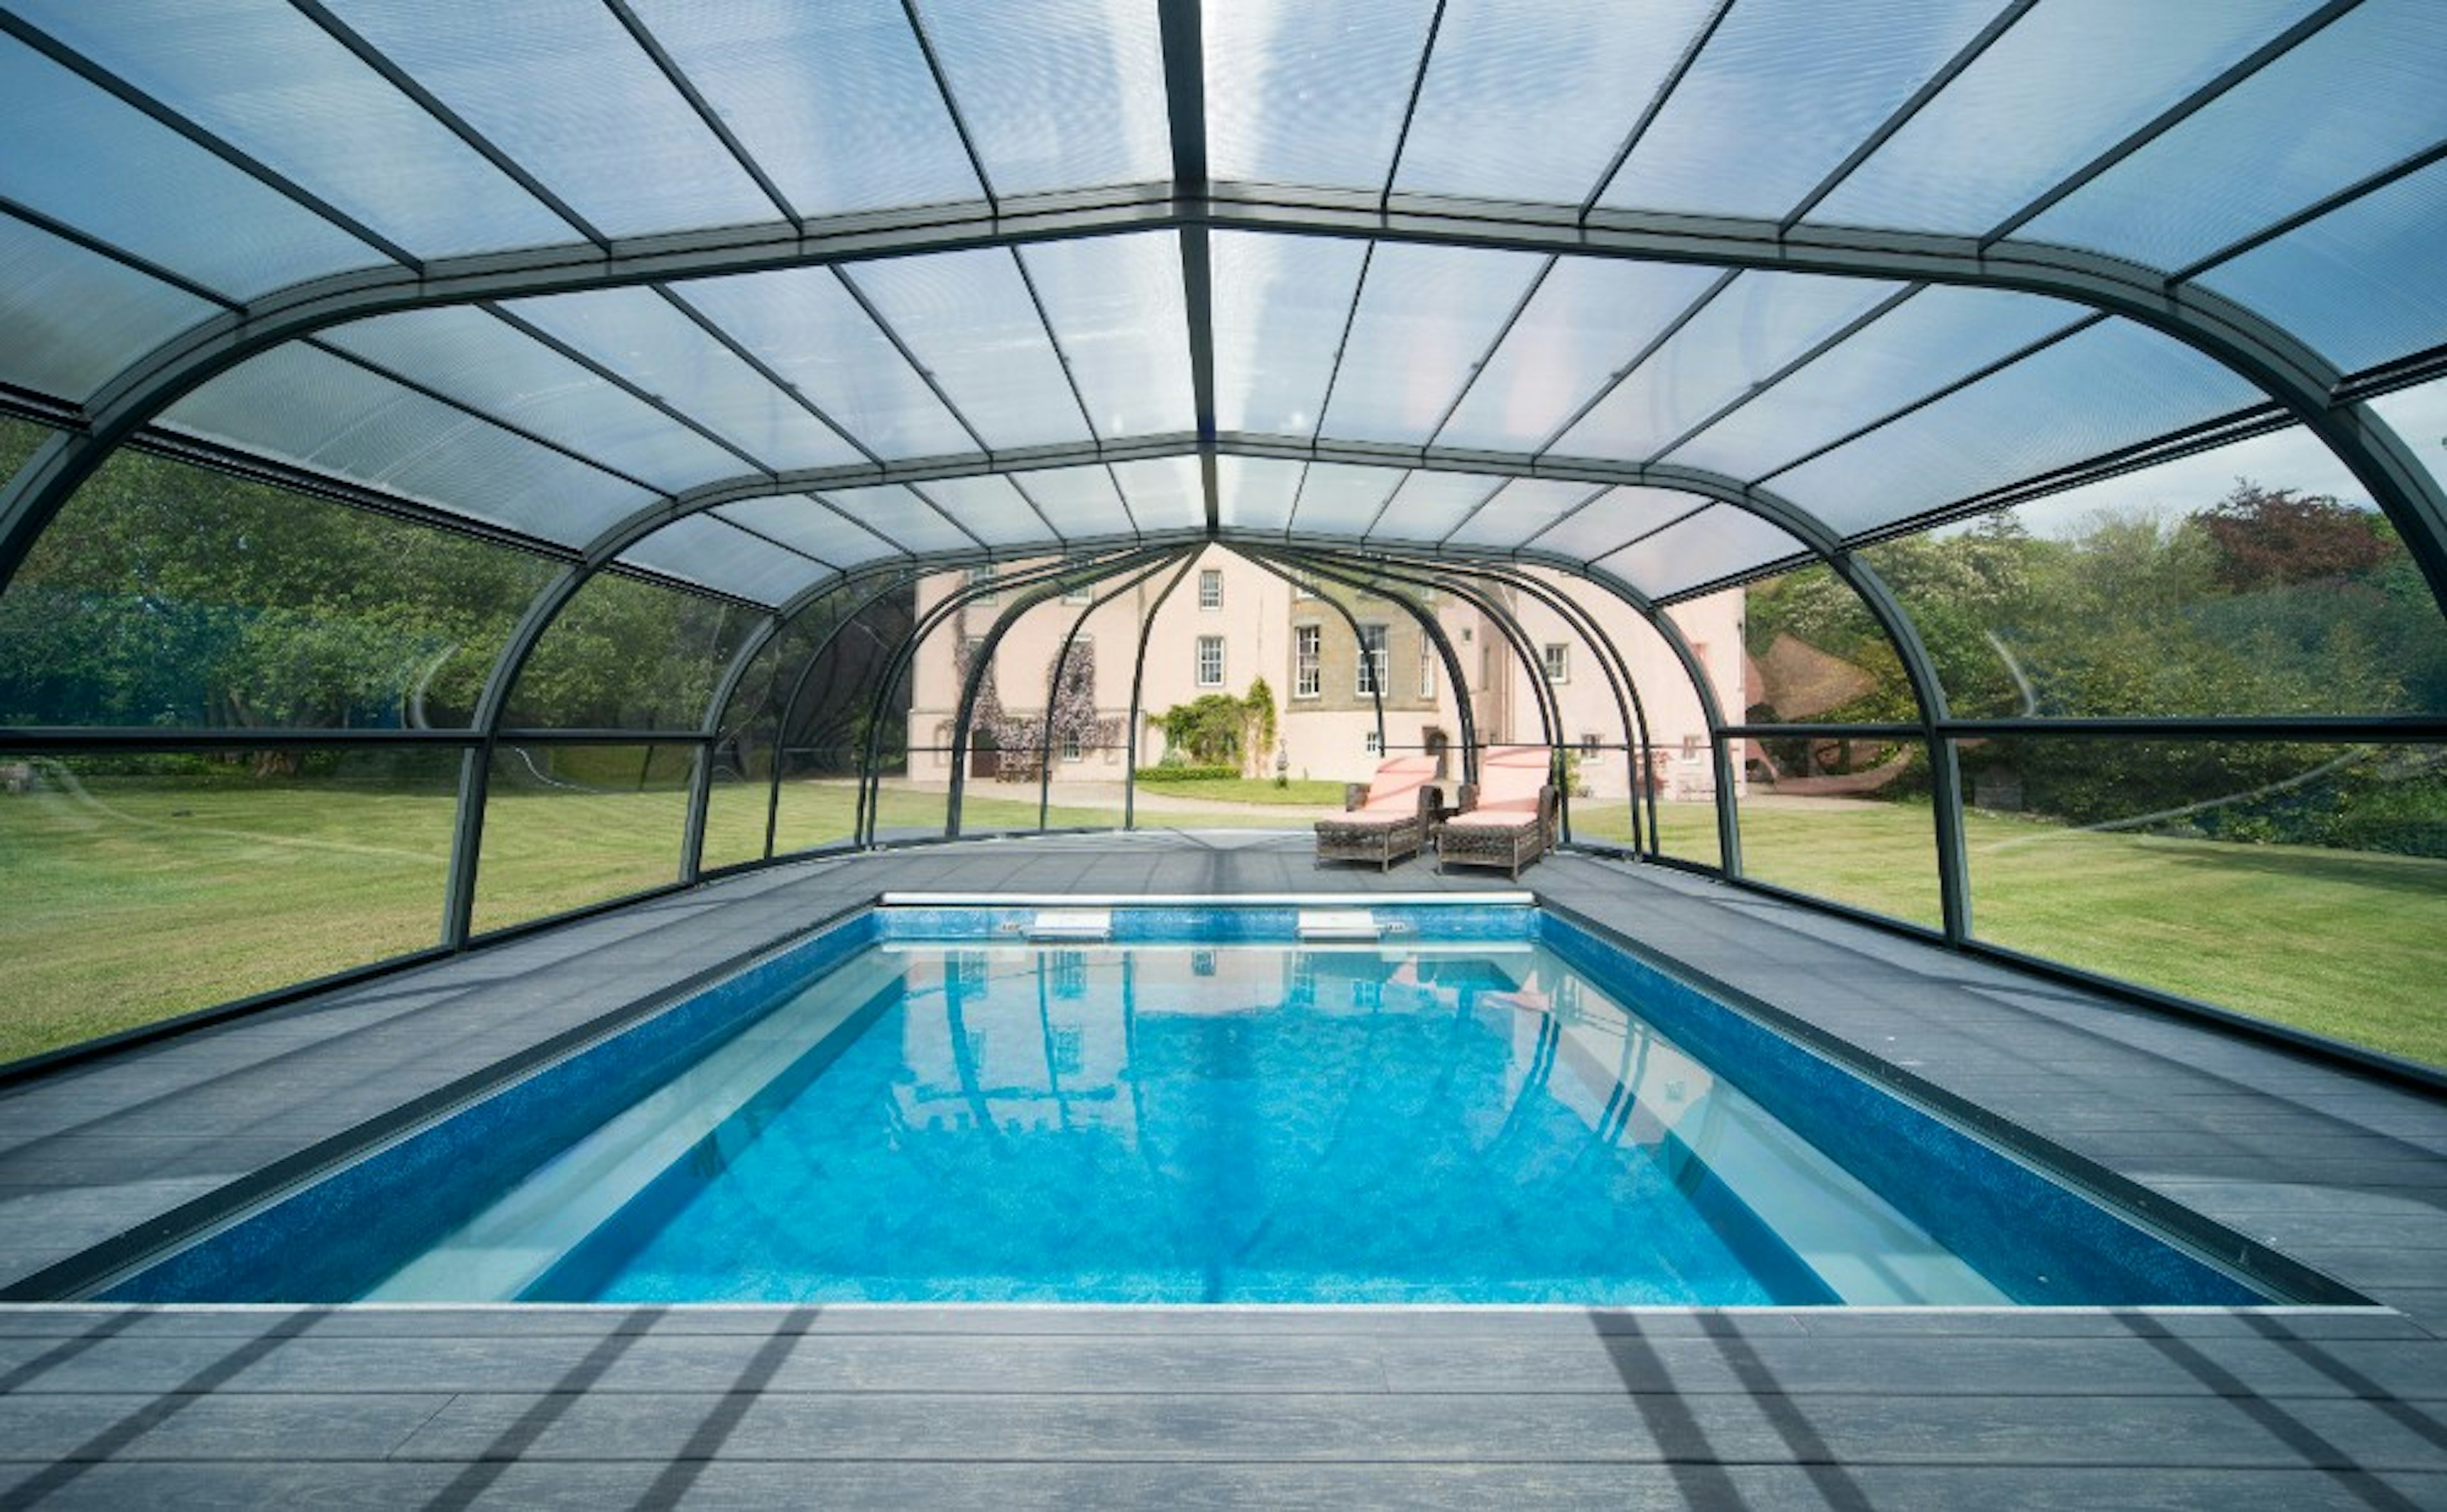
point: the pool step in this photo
(1339, 923)
(1072, 923)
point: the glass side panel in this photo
(1428, 505)
(1531, 99)
(1281, 304)
(2360, 95)
(484, 363)
(638, 334)
(2066, 83)
(1164, 493)
(563, 87)
(1060, 94)
(712, 552)
(1587, 319)
(1937, 337)
(988, 507)
(1427, 317)
(1623, 516)
(168, 594)
(2103, 389)
(2294, 881)
(1012, 738)
(164, 199)
(902, 517)
(1716, 543)
(802, 324)
(735, 803)
(1686, 805)
(301, 404)
(1115, 305)
(570, 825)
(1310, 91)
(1758, 324)
(264, 78)
(827, 711)
(969, 318)
(1814, 652)
(2167, 596)
(144, 887)
(2419, 416)
(1848, 821)
(1783, 92)
(1084, 503)
(74, 317)
(806, 524)
(834, 101)
(1520, 509)
(1336, 498)
(1257, 493)
(2362, 284)
(625, 654)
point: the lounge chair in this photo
(1511, 822)
(1391, 823)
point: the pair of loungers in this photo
(1507, 820)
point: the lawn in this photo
(135, 898)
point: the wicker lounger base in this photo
(1385, 843)
(1510, 847)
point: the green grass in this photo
(1293, 793)
(148, 896)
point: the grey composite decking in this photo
(604, 1406)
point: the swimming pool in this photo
(1253, 1103)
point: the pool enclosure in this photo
(1979, 463)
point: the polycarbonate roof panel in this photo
(1281, 306)
(798, 522)
(262, 77)
(640, 336)
(1530, 100)
(2415, 413)
(802, 324)
(968, 317)
(1717, 542)
(834, 101)
(2068, 80)
(1588, 319)
(298, 405)
(1115, 306)
(988, 507)
(2101, 389)
(74, 317)
(1164, 493)
(465, 353)
(1343, 498)
(1520, 509)
(1310, 91)
(1937, 337)
(1623, 516)
(2364, 283)
(84, 159)
(1256, 493)
(563, 87)
(1426, 318)
(1057, 94)
(709, 553)
(1082, 503)
(902, 518)
(1428, 505)
(1780, 96)
(2262, 150)
(1761, 322)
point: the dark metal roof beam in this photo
(115, 254)
(1655, 107)
(653, 47)
(401, 80)
(228, 152)
(1410, 106)
(1877, 313)
(2173, 116)
(951, 101)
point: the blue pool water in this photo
(1224, 1118)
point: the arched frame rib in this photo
(2293, 374)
